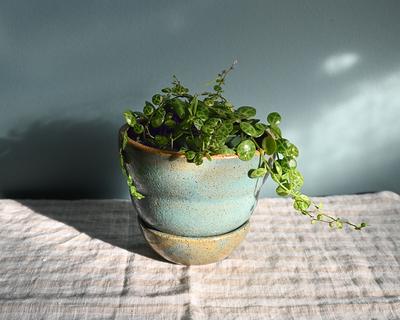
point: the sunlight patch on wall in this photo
(359, 133)
(340, 63)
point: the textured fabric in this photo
(88, 260)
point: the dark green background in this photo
(69, 68)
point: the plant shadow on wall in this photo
(67, 159)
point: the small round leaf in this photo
(190, 155)
(280, 191)
(157, 99)
(161, 140)
(138, 128)
(170, 123)
(246, 112)
(269, 145)
(179, 107)
(260, 127)
(248, 129)
(246, 150)
(130, 118)
(148, 109)
(274, 118)
(209, 102)
(257, 173)
(157, 121)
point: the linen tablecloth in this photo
(86, 259)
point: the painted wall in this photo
(69, 68)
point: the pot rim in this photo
(174, 154)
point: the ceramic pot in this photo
(192, 250)
(187, 200)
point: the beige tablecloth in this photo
(87, 260)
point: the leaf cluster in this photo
(206, 124)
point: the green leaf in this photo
(185, 125)
(292, 163)
(280, 191)
(246, 150)
(122, 164)
(203, 141)
(129, 180)
(282, 145)
(170, 123)
(301, 202)
(246, 112)
(248, 129)
(226, 128)
(193, 106)
(296, 178)
(275, 130)
(198, 123)
(157, 99)
(277, 168)
(217, 88)
(276, 177)
(339, 224)
(209, 102)
(161, 140)
(134, 193)
(158, 118)
(260, 127)
(362, 225)
(206, 128)
(233, 141)
(202, 111)
(129, 118)
(269, 145)
(125, 139)
(198, 159)
(213, 122)
(179, 107)
(148, 109)
(274, 118)
(138, 128)
(256, 173)
(190, 155)
(292, 151)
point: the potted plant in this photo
(194, 166)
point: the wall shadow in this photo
(69, 159)
(61, 159)
(111, 221)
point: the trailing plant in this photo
(206, 124)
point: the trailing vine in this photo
(206, 124)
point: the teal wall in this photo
(69, 68)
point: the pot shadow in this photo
(62, 159)
(67, 159)
(112, 221)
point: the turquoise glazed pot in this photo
(188, 200)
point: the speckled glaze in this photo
(188, 200)
(192, 250)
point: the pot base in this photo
(193, 250)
